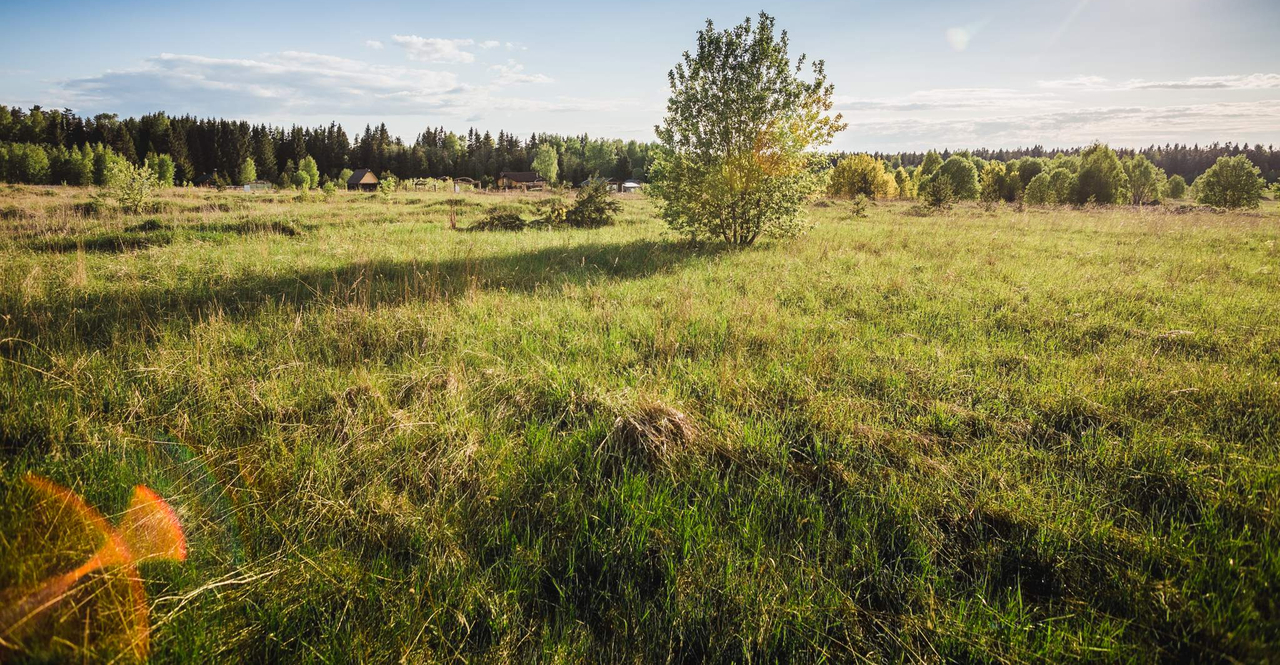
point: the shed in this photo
(520, 180)
(363, 180)
(630, 186)
(206, 180)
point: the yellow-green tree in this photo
(737, 159)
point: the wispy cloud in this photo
(374, 44)
(436, 50)
(299, 84)
(491, 43)
(943, 99)
(514, 73)
(1121, 125)
(1229, 82)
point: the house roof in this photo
(521, 176)
(358, 177)
(201, 179)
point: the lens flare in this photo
(149, 530)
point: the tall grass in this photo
(1006, 436)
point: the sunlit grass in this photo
(1005, 435)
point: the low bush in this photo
(594, 207)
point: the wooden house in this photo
(363, 180)
(520, 180)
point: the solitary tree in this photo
(735, 161)
(131, 186)
(1232, 182)
(248, 171)
(1176, 188)
(545, 162)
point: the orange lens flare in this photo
(148, 530)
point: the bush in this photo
(1176, 188)
(1101, 178)
(1146, 180)
(1232, 182)
(594, 207)
(862, 175)
(938, 192)
(962, 175)
(1062, 182)
(506, 217)
(131, 186)
(1039, 191)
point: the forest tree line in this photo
(40, 146)
(46, 146)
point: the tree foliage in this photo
(736, 160)
(1039, 191)
(131, 186)
(1101, 178)
(1146, 181)
(1176, 188)
(1233, 182)
(248, 171)
(545, 162)
(862, 175)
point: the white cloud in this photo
(488, 44)
(1126, 126)
(292, 84)
(1230, 82)
(374, 44)
(511, 73)
(443, 51)
(943, 99)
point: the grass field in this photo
(992, 436)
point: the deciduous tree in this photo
(736, 161)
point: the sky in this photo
(907, 75)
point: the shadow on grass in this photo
(116, 316)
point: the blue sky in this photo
(908, 75)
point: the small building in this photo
(258, 186)
(363, 180)
(206, 180)
(611, 183)
(520, 180)
(630, 186)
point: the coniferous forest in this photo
(43, 146)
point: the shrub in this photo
(131, 186)
(962, 176)
(1039, 191)
(1232, 182)
(329, 190)
(1101, 178)
(859, 207)
(1062, 183)
(995, 183)
(387, 184)
(1176, 188)
(1146, 180)
(862, 175)
(737, 159)
(506, 217)
(938, 192)
(308, 168)
(593, 208)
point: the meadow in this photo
(994, 435)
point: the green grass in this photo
(989, 436)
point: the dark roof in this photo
(202, 179)
(520, 176)
(359, 175)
